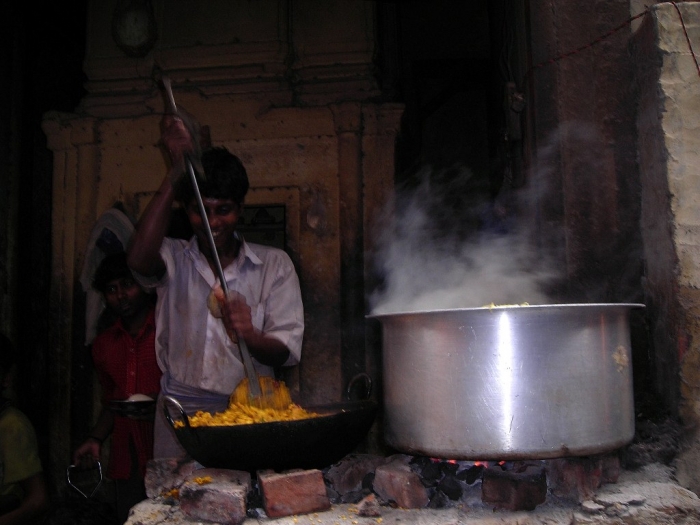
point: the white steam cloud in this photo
(444, 245)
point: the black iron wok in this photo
(306, 443)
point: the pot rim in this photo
(508, 307)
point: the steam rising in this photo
(444, 245)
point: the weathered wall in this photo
(581, 195)
(669, 142)
(286, 86)
(584, 174)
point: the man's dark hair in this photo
(7, 355)
(225, 177)
(112, 267)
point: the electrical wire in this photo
(610, 33)
(687, 38)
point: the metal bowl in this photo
(134, 409)
(306, 443)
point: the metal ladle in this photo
(251, 373)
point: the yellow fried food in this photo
(241, 414)
(276, 405)
(171, 494)
(494, 305)
(202, 480)
(274, 394)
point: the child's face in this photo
(223, 215)
(125, 297)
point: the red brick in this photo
(511, 490)
(298, 492)
(396, 482)
(576, 479)
(369, 507)
(347, 475)
(611, 468)
(222, 502)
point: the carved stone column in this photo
(76, 157)
(348, 119)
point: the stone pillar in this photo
(348, 117)
(73, 143)
(380, 127)
(366, 144)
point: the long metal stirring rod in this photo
(253, 383)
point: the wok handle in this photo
(362, 376)
(183, 414)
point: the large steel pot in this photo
(508, 382)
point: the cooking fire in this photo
(632, 485)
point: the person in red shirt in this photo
(125, 362)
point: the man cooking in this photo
(201, 363)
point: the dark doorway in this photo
(41, 63)
(458, 68)
(451, 64)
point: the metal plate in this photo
(134, 409)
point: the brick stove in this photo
(633, 485)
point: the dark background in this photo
(41, 59)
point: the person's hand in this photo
(178, 143)
(237, 317)
(88, 453)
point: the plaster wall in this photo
(669, 140)
(582, 179)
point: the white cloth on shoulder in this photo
(111, 233)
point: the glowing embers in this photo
(519, 485)
(513, 485)
(450, 481)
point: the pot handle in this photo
(185, 418)
(362, 376)
(70, 481)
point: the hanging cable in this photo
(610, 33)
(583, 48)
(687, 38)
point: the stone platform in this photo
(647, 496)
